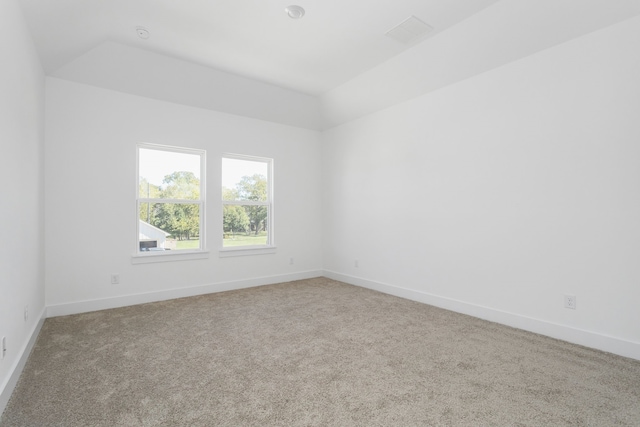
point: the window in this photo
(170, 200)
(247, 202)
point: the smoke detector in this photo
(142, 32)
(294, 12)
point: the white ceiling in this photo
(246, 57)
(334, 42)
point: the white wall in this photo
(141, 72)
(500, 34)
(499, 194)
(90, 155)
(21, 200)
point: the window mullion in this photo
(174, 201)
(245, 203)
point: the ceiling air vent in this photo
(409, 30)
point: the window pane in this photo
(244, 180)
(168, 175)
(169, 226)
(245, 225)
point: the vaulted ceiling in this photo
(248, 57)
(335, 40)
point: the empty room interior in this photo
(409, 212)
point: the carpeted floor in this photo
(312, 353)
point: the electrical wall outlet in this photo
(115, 279)
(26, 312)
(570, 302)
(4, 347)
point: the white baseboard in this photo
(126, 300)
(9, 385)
(566, 333)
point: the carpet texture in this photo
(312, 353)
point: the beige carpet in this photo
(312, 353)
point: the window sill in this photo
(168, 256)
(246, 251)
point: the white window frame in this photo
(270, 247)
(140, 257)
